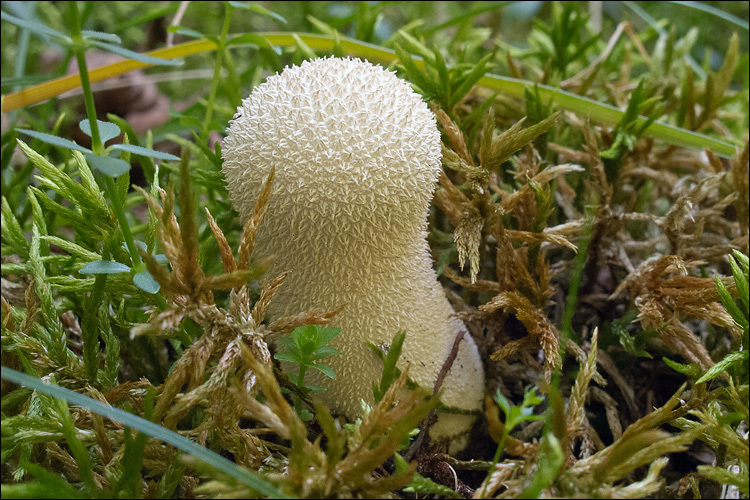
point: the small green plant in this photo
(514, 416)
(390, 371)
(722, 390)
(636, 343)
(438, 82)
(419, 484)
(735, 362)
(562, 42)
(630, 128)
(106, 160)
(306, 346)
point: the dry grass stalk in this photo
(190, 294)
(540, 330)
(346, 466)
(576, 404)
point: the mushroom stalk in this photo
(357, 155)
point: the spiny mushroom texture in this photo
(357, 155)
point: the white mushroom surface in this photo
(357, 155)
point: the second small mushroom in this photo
(357, 154)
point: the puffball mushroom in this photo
(357, 154)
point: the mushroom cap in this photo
(338, 130)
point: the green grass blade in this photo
(710, 9)
(245, 476)
(37, 28)
(608, 114)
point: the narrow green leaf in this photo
(180, 30)
(691, 370)
(326, 334)
(724, 476)
(98, 35)
(442, 71)
(415, 74)
(252, 38)
(325, 370)
(324, 352)
(551, 459)
(107, 130)
(741, 281)
(113, 167)
(465, 17)
(24, 81)
(192, 33)
(473, 77)
(390, 371)
(77, 449)
(261, 10)
(730, 305)
(716, 12)
(146, 282)
(157, 12)
(12, 233)
(37, 28)
(736, 357)
(54, 140)
(132, 462)
(305, 49)
(338, 51)
(116, 49)
(72, 248)
(286, 356)
(416, 46)
(104, 267)
(743, 259)
(138, 150)
(244, 475)
(322, 26)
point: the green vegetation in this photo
(305, 347)
(590, 229)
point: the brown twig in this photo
(426, 423)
